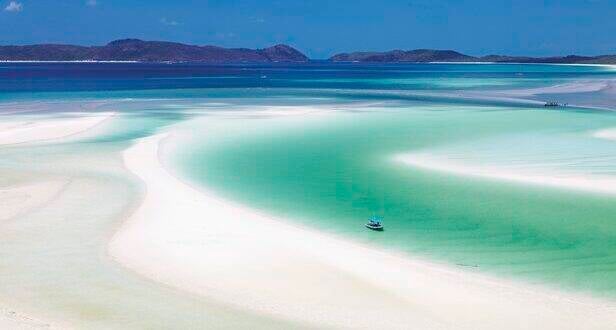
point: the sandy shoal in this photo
(46, 129)
(189, 239)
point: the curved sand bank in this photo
(590, 94)
(572, 87)
(191, 240)
(17, 201)
(45, 129)
(607, 134)
(596, 184)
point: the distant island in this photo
(149, 51)
(433, 55)
(136, 50)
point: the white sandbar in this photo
(191, 240)
(45, 129)
(21, 199)
(607, 134)
(590, 183)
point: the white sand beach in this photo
(191, 240)
(45, 129)
(607, 134)
(23, 198)
(589, 183)
(10, 319)
(573, 87)
(20, 199)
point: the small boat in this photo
(374, 223)
(552, 104)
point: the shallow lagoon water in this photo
(334, 173)
(328, 172)
(53, 261)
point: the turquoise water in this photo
(334, 173)
(334, 170)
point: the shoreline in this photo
(606, 134)
(35, 130)
(56, 219)
(24, 197)
(189, 239)
(603, 185)
(608, 66)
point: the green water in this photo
(54, 264)
(335, 171)
(329, 172)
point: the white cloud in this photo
(13, 6)
(91, 3)
(165, 21)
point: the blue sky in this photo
(321, 28)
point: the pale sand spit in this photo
(21, 199)
(191, 240)
(590, 183)
(39, 129)
(607, 134)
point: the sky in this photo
(321, 28)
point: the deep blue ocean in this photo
(61, 77)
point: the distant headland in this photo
(135, 50)
(149, 51)
(433, 55)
